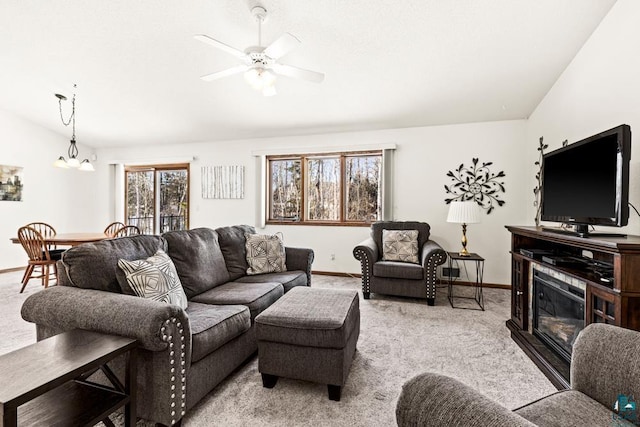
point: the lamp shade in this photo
(61, 163)
(86, 166)
(73, 162)
(467, 212)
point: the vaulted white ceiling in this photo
(388, 64)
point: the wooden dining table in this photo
(71, 239)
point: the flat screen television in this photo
(587, 183)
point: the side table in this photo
(45, 383)
(477, 285)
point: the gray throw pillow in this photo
(155, 278)
(400, 245)
(265, 253)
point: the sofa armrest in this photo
(436, 400)
(67, 307)
(162, 330)
(300, 259)
(604, 363)
(366, 250)
(432, 256)
(367, 253)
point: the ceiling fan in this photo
(260, 64)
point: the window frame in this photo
(304, 214)
(158, 168)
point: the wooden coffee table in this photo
(46, 383)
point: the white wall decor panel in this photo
(223, 182)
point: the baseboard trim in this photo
(484, 285)
(335, 273)
(11, 270)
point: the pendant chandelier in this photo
(72, 152)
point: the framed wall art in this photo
(11, 183)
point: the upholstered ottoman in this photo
(309, 334)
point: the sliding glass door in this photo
(157, 197)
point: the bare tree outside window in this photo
(157, 198)
(140, 200)
(338, 188)
(363, 182)
(286, 189)
(173, 200)
(323, 189)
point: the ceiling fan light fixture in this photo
(260, 78)
(252, 76)
(268, 78)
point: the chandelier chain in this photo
(72, 117)
(67, 122)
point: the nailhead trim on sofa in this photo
(432, 263)
(361, 256)
(172, 332)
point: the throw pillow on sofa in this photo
(154, 278)
(265, 253)
(400, 245)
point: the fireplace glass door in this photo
(558, 312)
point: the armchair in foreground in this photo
(605, 381)
(382, 273)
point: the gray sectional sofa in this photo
(183, 354)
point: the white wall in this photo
(422, 159)
(600, 89)
(60, 197)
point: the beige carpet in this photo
(399, 338)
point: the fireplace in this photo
(558, 312)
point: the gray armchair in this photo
(400, 278)
(604, 371)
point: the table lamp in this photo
(464, 212)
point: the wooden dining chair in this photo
(113, 228)
(127, 230)
(47, 231)
(39, 257)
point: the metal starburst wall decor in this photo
(477, 183)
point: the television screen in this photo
(587, 182)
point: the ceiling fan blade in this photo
(283, 45)
(224, 73)
(222, 46)
(298, 73)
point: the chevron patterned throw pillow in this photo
(155, 278)
(265, 253)
(400, 245)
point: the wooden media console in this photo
(605, 269)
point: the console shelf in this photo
(614, 300)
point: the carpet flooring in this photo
(399, 338)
